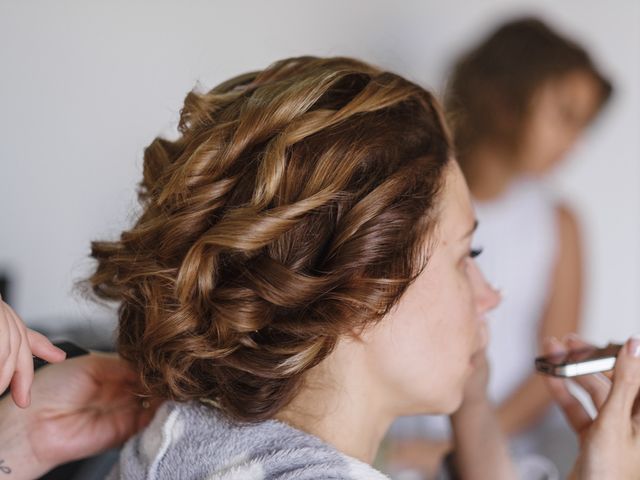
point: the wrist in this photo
(16, 452)
(477, 402)
(473, 415)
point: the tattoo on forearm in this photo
(4, 468)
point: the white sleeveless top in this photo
(519, 235)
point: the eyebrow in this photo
(470, 232)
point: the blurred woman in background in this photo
(517, 103)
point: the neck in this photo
(339, 405)
(489, 172)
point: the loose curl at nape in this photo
(291, 210)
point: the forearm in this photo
(481, 451)
(17, 461)
(524, 406)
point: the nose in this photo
(486, 296)
(489, 299)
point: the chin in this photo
(454, 404)
(445, 406)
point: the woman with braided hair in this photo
(300, 275)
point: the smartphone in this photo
(579, 362)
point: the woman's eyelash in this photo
(475, 252)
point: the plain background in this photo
(86, 85)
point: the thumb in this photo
(626, 381)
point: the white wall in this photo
(85, 85)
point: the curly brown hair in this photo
(292, 210)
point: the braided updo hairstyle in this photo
(291, 210)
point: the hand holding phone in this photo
(581, 361)
(610, 441)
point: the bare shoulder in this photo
(568, 225)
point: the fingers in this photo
(16, 360)
(596, 385)
(5, 338)
(574, 342)
(42, 347)
(573, 410)
(23, 375)
(10, 346)
(626, 382)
